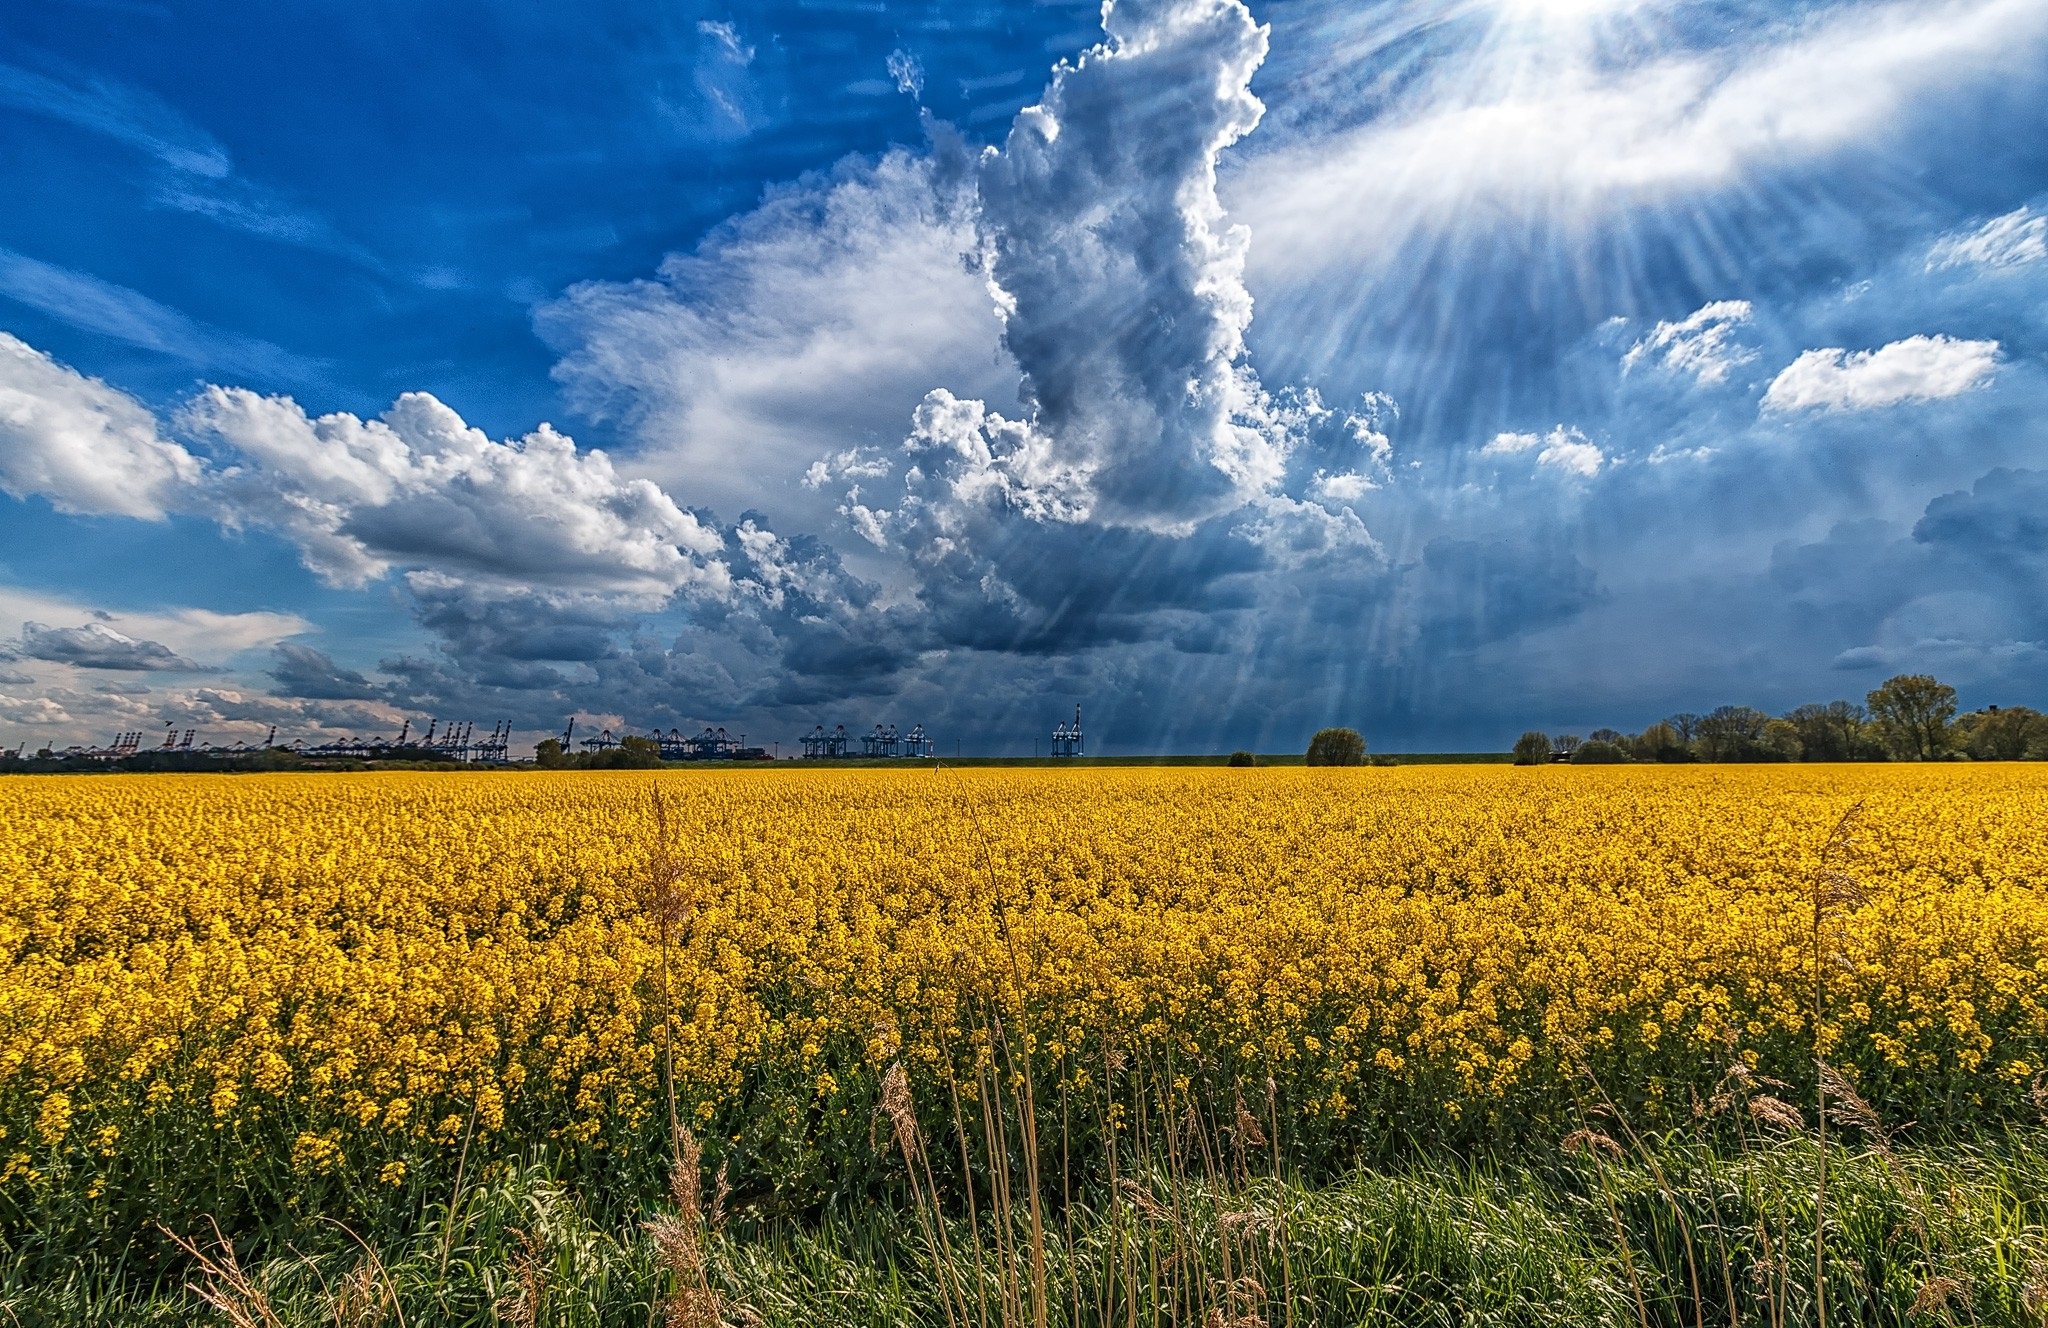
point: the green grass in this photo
(1441, 1241)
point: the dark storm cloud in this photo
(2001, 524)
(96, 646)
(306, 672)
(1474, 593)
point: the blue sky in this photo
(1444, 369)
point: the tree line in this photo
(1911, 717)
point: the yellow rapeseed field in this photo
(319, 973)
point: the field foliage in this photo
(233, 998)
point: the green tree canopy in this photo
(1660, 742)
(2016, 733)
(1336, 747)
(1913, 711)
(639, 753)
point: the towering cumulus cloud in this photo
(1121, 286)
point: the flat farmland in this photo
(240, 999)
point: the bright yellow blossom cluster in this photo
(348, 971)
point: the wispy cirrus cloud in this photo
(196, 173)
(2016, 239)
(120, 111)
(93, 305)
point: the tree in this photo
(1593, 752)
(1781, 740)
(1836, 731)
(1660, 742)
(1532, 748)
(1336, 747)
(1732, 733)
(548, 754)
(1612, 737)
(2003, 735)
(638, 753)
(1566, 744)
(1686, 725)
(1242, 760)
(1913, 712)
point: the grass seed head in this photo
(678, 1245)
(686, 1182)
(1936, 1293)
(1247, 1128)
(521, 1305)
(1141, 1201)
(898, 1107)
(1589, 1142)
(1776, 1112)
(1848, 1107)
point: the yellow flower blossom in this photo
(340, 967)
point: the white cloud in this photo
(727, 38)
(1298, 535)
(1522, 128)
(2013, 240)
(1342, 488)
(869, 523)
(1916, 369)
(207, 638)
(908, 72)
(471, 522)
(1562, 449)
(419, 488)
(1121, 282)
(854, 463)
(89, 449)
(818, 320)
(1664, 455)
(34, 711)
(1571, 453)
(245, 710)
(1700, 344)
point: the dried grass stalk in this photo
(521, 1305)
(1246, 1126)
(1141, 1201)
(230, 1291)
(361, 1299)
(679, 1240)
